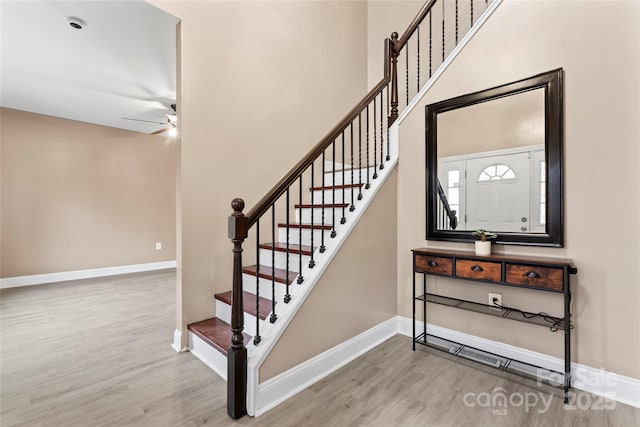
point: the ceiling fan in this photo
(170, 124)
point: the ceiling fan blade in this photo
(146, 121)
(158, 132)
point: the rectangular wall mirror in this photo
(494, 162)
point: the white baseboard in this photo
(63, 276)
(280, 388)
(613, 386)
(209, 355)
(177, 341)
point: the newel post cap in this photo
(237, 221)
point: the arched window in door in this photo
(496, 172)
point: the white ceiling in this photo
(121, 64)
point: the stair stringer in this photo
(271, 333)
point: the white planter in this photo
(483, 248)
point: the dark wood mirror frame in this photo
(552, 82)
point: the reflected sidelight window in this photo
(453, 190)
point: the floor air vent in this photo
(475, 355)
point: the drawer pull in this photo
(432, 264)
(477, 268)
(532, 275)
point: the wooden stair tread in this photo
(249, 300)
(216, 333)
(314, 226)
(331, 187)
(326, 205)
(267, 272)
(293, 248)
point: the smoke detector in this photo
(76, 23)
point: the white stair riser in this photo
(223, 312)
(346, 179)
(281, 259)
(294, 235)
(328, 196)
(303, 215)
(249, 285)
(209, 355)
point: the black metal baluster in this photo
(352, 207)
(312, 262)
(443, 41)
(430, 42)
(300, 278)
(257, 338)
(333, 191)
(406, 60)
(273, 316)
(368, 185)
(360, 156)
(457, 22)
(418, 61)
(375, 139)
(388, 152)
(472, 13)
(381, 130)
(287, 296)
(322, 247)
(344, 218)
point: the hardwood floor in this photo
(97, 352)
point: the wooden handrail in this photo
(426, 8)
(278, 190)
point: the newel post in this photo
(237, 353)
(394, 78)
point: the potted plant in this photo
(483, 246)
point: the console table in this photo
(541, 274)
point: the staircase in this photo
(276, 277)
(291, 235)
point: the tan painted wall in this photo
(261, 83)
(356, 292)
(598, 45)
(504, 123)
(78, 196)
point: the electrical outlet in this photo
(495, 299)
(158, 246)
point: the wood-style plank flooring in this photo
(97, 353)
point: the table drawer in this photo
(480, 270)
(434, 265)
(537, 277)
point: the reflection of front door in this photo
(498, 193)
